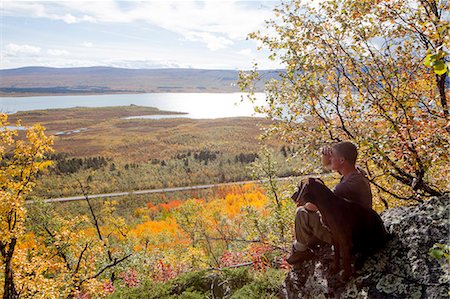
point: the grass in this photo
(140, 140)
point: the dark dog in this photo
(354, 228)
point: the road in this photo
(162, 190)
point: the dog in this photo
(354, 228)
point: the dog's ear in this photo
(301, 187)
(316, 180)
(320, 180)
(295, 196)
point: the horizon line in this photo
(128, 68)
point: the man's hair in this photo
(346, 150)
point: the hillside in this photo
(131, 154)
(90, 80)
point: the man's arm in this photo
(326, 161)
(310, 207)
(326, 156)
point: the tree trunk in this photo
(9, 290)
(442, 95)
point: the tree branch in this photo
(115, 262)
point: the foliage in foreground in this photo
(17, 179)
(97, 253)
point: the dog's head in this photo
(303, 194)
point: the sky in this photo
(209, 34)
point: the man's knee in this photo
(309, 227)
(303, 221)
(301, 213)
(304, 216)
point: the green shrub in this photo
(265, 285)
(237, 278)
(239, 283)
(191, 295)
(192, 281)
(147, 290)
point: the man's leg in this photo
(309, 231)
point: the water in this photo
(195, 105)
(71, 132)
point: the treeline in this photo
(288, 150)
(183, 169)
(245, 158)
(65, 165)
(206, 156)
(63, 89)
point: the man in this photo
(354, 186)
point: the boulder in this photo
(402, 269)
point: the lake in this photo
(196, 105)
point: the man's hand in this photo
(326, 156)
(311, 207)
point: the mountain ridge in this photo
(39, 80)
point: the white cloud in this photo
(146, 64)
(18, 50)
(245, 52)
(212, 41)
(215, 23)
(57, 52)
(45, 9)
(69, 19)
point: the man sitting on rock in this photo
(354, 186)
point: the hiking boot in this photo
(297, 257)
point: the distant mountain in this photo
(88, 80)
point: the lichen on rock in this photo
(402, 269)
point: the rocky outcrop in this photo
(402, 269)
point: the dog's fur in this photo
(354, 228)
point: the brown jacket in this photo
(355, 188)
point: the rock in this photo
(402, 269)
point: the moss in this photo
(389, 284)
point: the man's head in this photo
(343, 155)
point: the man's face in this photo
(336, 160)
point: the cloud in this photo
(45, 9)
(71, 19)
(137, 34)
(213, 42)
(21, 50)
(56, 52)
(245, 52)
(217, 24)
(146, 64)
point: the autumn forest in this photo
(372, 72)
